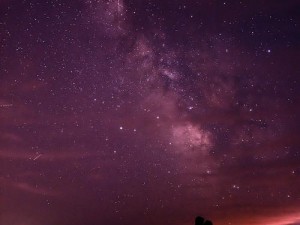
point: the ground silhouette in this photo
(201, 221)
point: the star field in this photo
(149, 112)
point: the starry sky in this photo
(149, 112)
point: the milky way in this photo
(149, 112)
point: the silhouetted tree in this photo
(200, 221)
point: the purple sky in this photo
(149, 112)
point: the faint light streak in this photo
(37, 157)
(6, 105)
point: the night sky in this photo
(149, 112)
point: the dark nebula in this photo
(149, 112)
